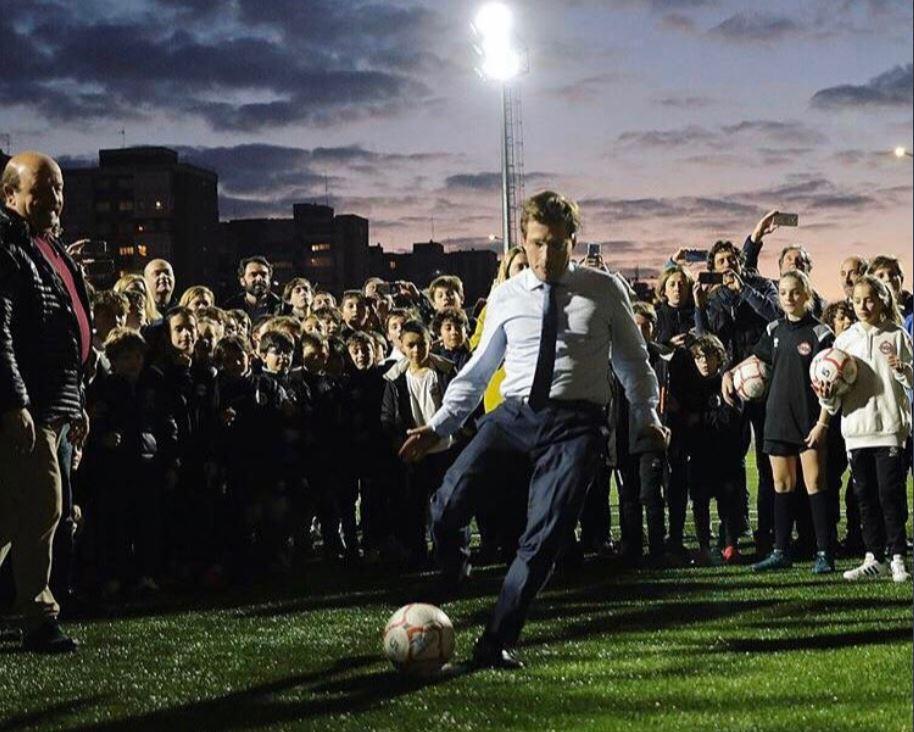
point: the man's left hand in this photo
(79, 430)
(654, 436)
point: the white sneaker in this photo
(899, 571)
(869, 569)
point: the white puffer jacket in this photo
(876, 410)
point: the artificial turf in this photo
(687, 649)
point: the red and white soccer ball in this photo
(419, 639)
(750, 379)
(834, 366)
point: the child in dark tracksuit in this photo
(716, 437)
(413, 392)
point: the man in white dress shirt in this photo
(557, 327)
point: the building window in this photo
(125, 206)
(320, 247)
(392, 264)
(142, 250)
(139, 227)
(320, 262)
(159, 206)
(126, 251)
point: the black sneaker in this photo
(48, 638)
(490, 654)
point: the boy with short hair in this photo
(329, 322)
(450, 328)
(446, 291)
(354, 311)
(717, 437)
(413, 392)
(395, 320)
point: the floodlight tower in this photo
(501, 62)
(901, 152)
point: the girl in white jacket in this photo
(876, 422)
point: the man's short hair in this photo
(356, 295)
(292, 284)
(401, 313)
(360, 336)
(453, 315)
(328, 313)
(180, 311)
(114, 303)
(645, 310)
(416, 326)
(231, 343)
(313, 340)
(709, 344)
(551, 208)
(886, 261)
(121, 341)
(216, 314)
(719, 246)
(277, 340)
(256, 259)
(804, 255)
(446, 282)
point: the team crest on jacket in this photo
(887, 348)
(804, 348)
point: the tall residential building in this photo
(146, 204)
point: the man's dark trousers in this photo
(563, 444)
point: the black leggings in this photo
(879, 483)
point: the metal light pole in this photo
(501, 62)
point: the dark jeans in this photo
(563, 444)
(422, 479)
(641, 491)
(879, 484)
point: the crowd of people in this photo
(227, 441)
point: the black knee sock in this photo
(783, 520)
(821, 520)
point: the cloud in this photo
(793, 132)
(755, 28)
(679, 137)
(585, 89)
(486, 181)
(678, 101)
(252, 66)
(892, 88)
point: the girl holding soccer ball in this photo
(795, 424)
(876, 422)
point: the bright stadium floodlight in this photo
(901, 152)
(500, 60)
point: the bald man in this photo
(852, 269)
(160, 281)
(45, 341)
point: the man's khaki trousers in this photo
(30, 506)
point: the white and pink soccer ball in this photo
(750, 379)
(834, 366)
(419, 639)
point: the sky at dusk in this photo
(673, 122)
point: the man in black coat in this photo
(45, 341)
(255, 274)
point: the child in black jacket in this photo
(717, 437)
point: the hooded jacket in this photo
(875, 410)
(396, 411)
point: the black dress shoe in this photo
(48, 638)
(489, 654)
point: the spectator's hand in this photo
(816, 436)
(76, 248)
(79, 430)
(409, 289)
(764, 226)
(733, 281)
(112, 440)
(679, 340)
(700, 295)
(679, 256)
(418, 442)
(727, 390)
(18, 424)
(228, 416)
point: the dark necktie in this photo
(545, 360)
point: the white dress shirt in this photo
(596, 329)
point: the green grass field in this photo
(691, 649)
